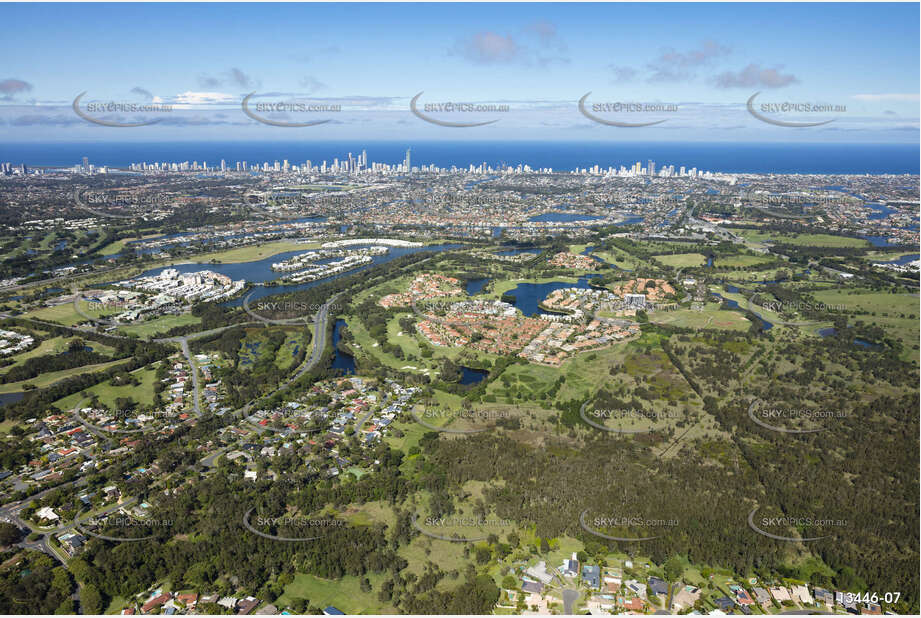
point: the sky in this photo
(689, 68)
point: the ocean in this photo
(781, 158)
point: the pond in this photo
(631, 220)
(472, 376)
(8, 398)
(765, 325)
(880, 241)
(905, 259)
(519, 251)
(863, 343)
(475, 286)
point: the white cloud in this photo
(204, 98)
(890, 96)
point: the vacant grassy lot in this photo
(808, 240)
(254, 252)
(896, 313)
(143, 394)
(55, 345)
(64, 314)
(344, 593)
(736, 261)
(710, 317)
(679, 260)
(618, 257)
(158, 326)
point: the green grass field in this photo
(879, 303)
(709, 317)
(737, 261)
(64, 314)
(679, 260)
(294, 341)
(143, 394)
(158, 326)
(47, 379)
(254, 252)
(344, 593)
(807, 240)
(7, 425)
(67, 315)
(55, 345)
(897, 314)
(618, 257)
(115, 247)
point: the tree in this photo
(61, 581)
(91, 599)
(66, 607)
(673, 568)
(9, 534)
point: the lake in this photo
(341, 360)
(260, 271)
(519, 251)
(529, 295)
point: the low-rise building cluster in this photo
(564, 259)
(559, 342)
(322, 271)
(426, 286)
(12, 342)
(298, 261)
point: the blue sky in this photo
(705, 60)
